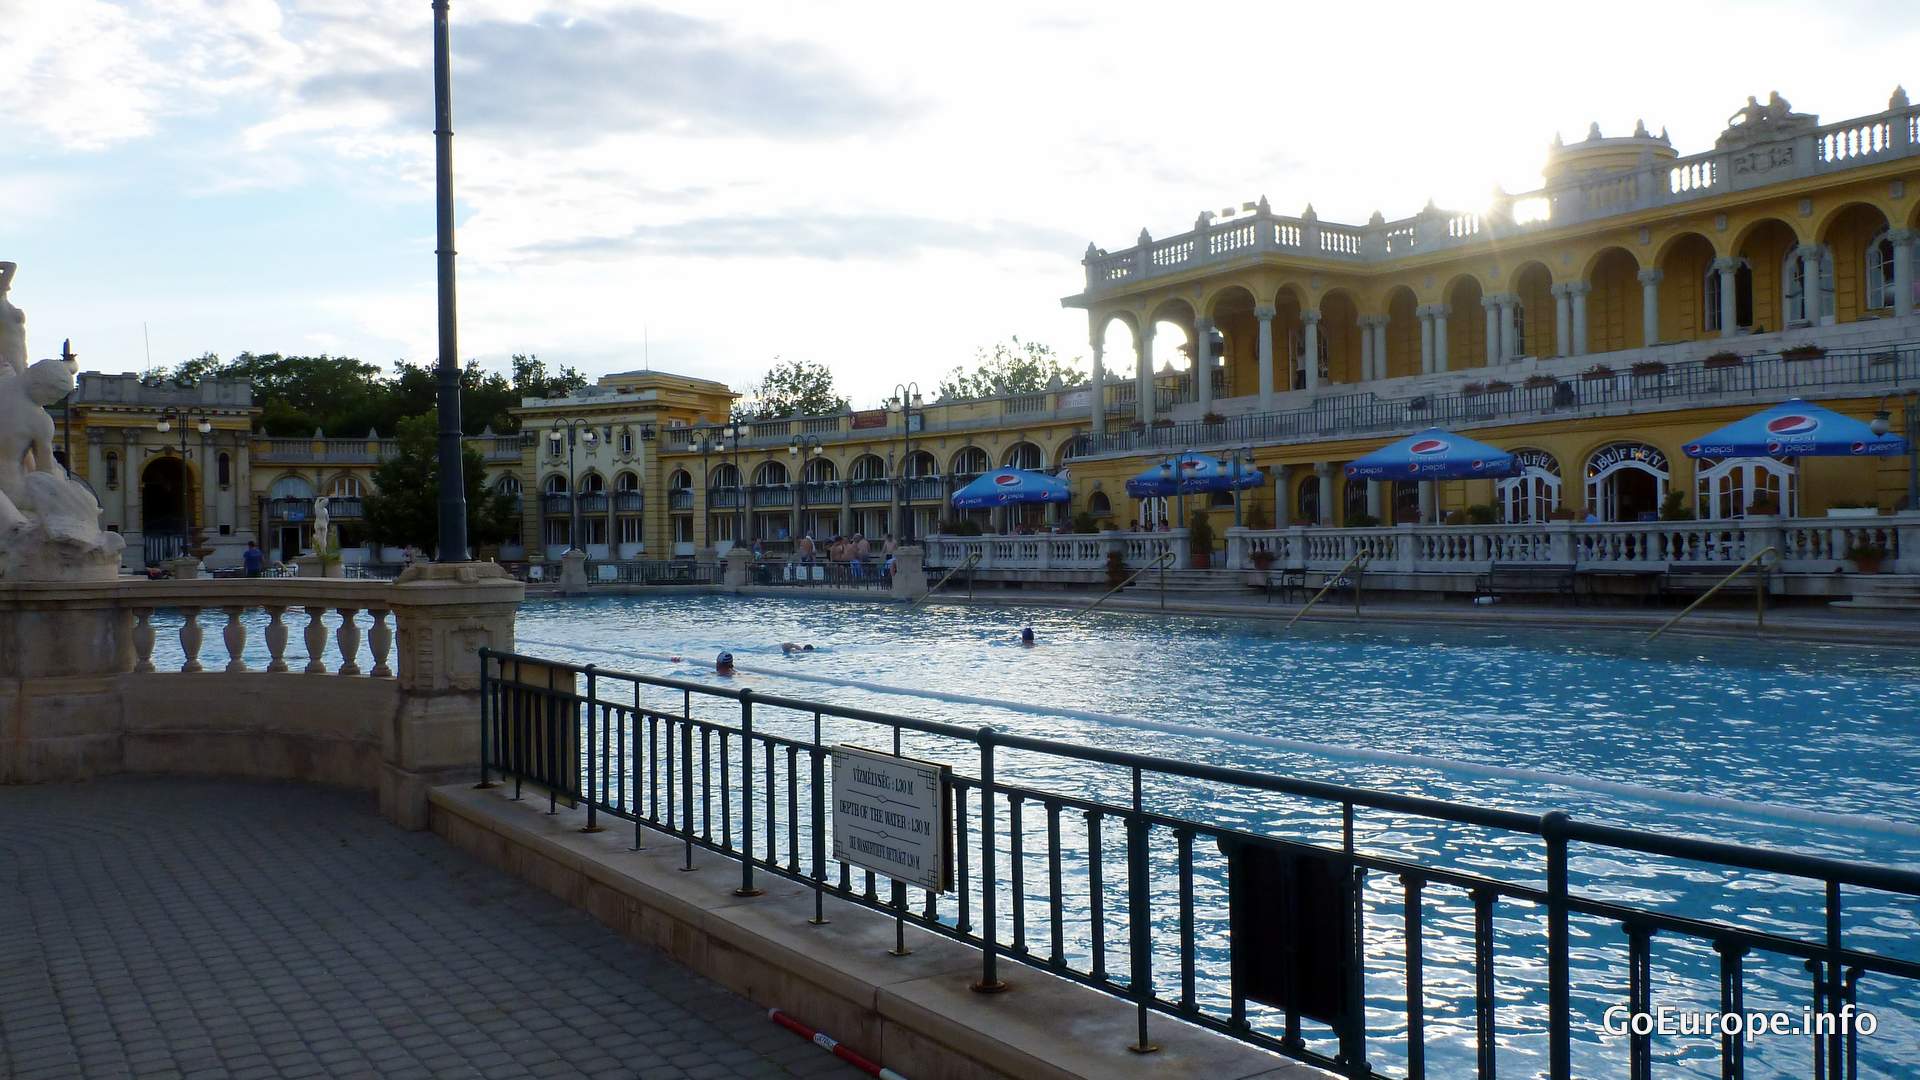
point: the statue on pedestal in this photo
(49, 522)
(322, 527)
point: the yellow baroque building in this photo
(1597, 325)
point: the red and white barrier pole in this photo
(827, 1042)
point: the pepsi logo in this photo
(1792, 424)
(1693, 450)
(1478, 465)
(1427, 446)
(1859, 448)
(1006, 479)
(1189, 465)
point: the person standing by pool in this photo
(253, 559)
(805, 549)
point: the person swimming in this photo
(723, 664)
(1026, 636)
(794, 647)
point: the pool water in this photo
(1815, 748)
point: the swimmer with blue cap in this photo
(1026, 636)
(723, 664)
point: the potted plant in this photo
(1866, 557)
(1540, 382)
(1473, 389)
(1482, 514)
(1763, 505)
(1262, 558)
(1597, 372)
(1163, 422)
(1258, 518)
(1723, 359)
(1650, 367)
(1802, 352)
(1083, 523)
(1853, 508)
(1116, 569)
(1363, 521)
(1200, 540)
(1213, 418)
(1418, 404)
(1498, 386)
(1674, 507)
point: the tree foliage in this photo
(1011, 367)
(792, 388)
(344, 397)
(404, 507)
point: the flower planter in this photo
(1498, 387)
(1867, 564)
(1803, 352)
(1595, 374)
(1650, 367)
(1722, 360)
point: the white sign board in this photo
(890, 816)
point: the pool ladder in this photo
(1160, 561)
(1358, 562)
(1757, 559)
(972, 560)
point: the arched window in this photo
(626, 444)
(291, 487)
(555, 484)
(348, 487)
(1023, 455)
(1534, 493)
(971, 461)
(1879, 273)
(922, 464)
(1728, 488)
(818, 471)
(868, 467)
(507, 485)
(1626, 481)
(681, 480)
(112, 461)
(770, 474)
(1307, 502)
(1153, 512)
(224, 465)
(592, 484)
(626, 481)
(1099, 505)
(724, 475)
(1710, 285)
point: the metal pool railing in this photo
(744, 774)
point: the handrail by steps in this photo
(1159, 560)
(1759, 593)
(972, 560)
(1359, 561)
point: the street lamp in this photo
(1910, 425)
(906, 398)
(578, 430)
(804, 449)
(1170, 472)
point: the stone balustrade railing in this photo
(369, 684)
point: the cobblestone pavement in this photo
(186, 928)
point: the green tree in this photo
(792, 388)
(1011, 367)
(404, 507)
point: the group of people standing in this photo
(855, 551)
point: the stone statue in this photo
(49, 522)
(322, 526)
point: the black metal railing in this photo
(1602, 388)
(161, 546)
(680, 499)
(821, 572)
(651, 572)
(743, 774)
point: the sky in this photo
(705, 185)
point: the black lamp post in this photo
(575, 434)
(1910, 425)
(804, 449)
(1242, 464)
(906, 398)
(66, 408)
(1170, 471)
(453, 488)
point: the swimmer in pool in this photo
(723, 664)
(1026, 636)
(794, 647)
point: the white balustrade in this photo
(232, 604)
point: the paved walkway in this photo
(184, 928)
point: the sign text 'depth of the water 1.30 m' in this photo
(889, 816)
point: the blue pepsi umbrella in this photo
(1796, 428)
(1434, 455)
(1196, 473)
(1004, 486)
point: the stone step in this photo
(1886, 592)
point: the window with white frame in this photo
(1729, 487)
(1879, 293)
(630, 529)
(346, 487)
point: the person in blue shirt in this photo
(254, 559)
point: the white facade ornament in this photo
(49, 522)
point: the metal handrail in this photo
(1759, 593)
(972, 560)
(1159, 560)
(1359, 561)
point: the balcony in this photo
(556, 503)
(724, 499)
(764, 497)
(872, 491)
(927, 489)
(594, 503)
(680, 499)
(628, 502)
(822, 494)
(345, 507)
(290, 509)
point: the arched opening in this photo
(1690, 289)
(922, 464)
(680, 480)
(820, 470)
(1289, 341)
(1403, 333)
(1537, 319)
(1626, 481)
(1729, 488)
(224, 467)
(1117, 350)
(1237, 365)
(346, 486)
(969, 462)
(1766, 247)
(1532, 495)
(626, 481)
(770, 474)
(1024, 455)
(1466, 328)
(1100, 508)
(724, 475)
(289, 510)
(166, 508)
(1339, 338)
(592, 483)
(1862, 260)
(1306, 501)
(555, 484)
(112, 462)
(1613, 302)
(1353, 503)
(508, 484)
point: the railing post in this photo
(1553, 827)
(593, 763)
(989, 876)
(1139, 922)
(746, 796)
(489, 710)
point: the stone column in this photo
(1810, 272)
(209, 488)
(1143, 375)
(1324, 471)
(1365, 323)
(1650, 305)
(1509, 328)
(1903, 240)
(132, 462)
(1440, 312)
(1310, 346)
(1376, 501)
(1097, 390)
(1729, 301)
(1491, 305)
(1203, 363)
(1379, 346)
(1282, 505)
(1426, 340)
(1429, 502)
(446, 612)
(1264, 313)
(1562, 320)
(1578, 290)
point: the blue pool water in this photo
(1810, 747)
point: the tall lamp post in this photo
(453, 488)
(1910, 427)
(578, 430)
(804, 449)
(1170, 471)
(66, 408)
(906, 398)
(1242, 464)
